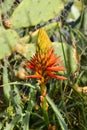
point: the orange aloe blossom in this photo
(45, 64)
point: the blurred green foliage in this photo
(19, 109)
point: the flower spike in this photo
(45, 63)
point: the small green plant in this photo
(43, 71)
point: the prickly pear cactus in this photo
(33, 12)
(8, 40)
(6, 6)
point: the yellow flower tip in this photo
(43, 41)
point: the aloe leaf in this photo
(17, 98)
(12, 124)
(6, 87)
(27, 116)
(26, 121)
(8, 41)
(60, 118)
(33, 12)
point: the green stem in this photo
(45, 112)
(44, 105)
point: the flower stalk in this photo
(45, 64)
(44, 104)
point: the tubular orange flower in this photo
(45, 65)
